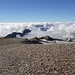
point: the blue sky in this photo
(37, 10)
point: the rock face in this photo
(41, 40)
(50, 38)
(34, 40)
(14, 34)
(31, 42)
(26, 31)
(47, 38)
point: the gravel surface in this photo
(53, 59)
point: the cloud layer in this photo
(54, 29)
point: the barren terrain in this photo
(31, 59)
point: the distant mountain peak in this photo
(14, 34)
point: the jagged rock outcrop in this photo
(14, 34)
(47, 38)
(34, 40)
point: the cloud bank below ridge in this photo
(53, 29)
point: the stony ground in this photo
(9, 41)
(53, 59)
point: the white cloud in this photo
(56, 29)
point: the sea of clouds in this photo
(38, 29)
